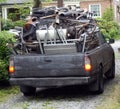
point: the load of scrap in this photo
(55, 27)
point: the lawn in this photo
(6, 92)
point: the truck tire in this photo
(111, 73)
(27, 90)
(98, 86)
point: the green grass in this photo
(5, 93)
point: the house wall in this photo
(71, 2)
(117, 11)
(104, 4)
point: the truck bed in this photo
(70, 65)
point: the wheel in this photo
(27, 90)
(98, 86)
(111, 73)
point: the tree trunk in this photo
(111, 4)
(60, 3)
(37, 4)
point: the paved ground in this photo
(116, 45)
(64, 98)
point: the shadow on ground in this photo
(66, 92)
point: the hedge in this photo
(9, 24)
(108, 26)
(5, 53)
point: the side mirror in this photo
(111, 41)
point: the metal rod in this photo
(85, 36)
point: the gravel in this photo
(65, 97)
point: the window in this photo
(95, 9)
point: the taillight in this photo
(11, 67)
(87, 66)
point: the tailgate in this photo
(48, 66)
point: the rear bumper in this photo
(51, 82)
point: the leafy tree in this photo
(5, 37)
(108, 26)
(108, 15)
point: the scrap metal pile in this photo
(54, 28)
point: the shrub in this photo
(108, 26)
(3, 72)
(7, 24)
(108, 15)
(19, 23)
(4, 53)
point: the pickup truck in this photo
(61, 61)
